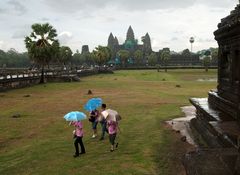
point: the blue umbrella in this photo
(93, 104)
(75, 116)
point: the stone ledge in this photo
(212, 162)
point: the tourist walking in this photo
(78, 136)
(112, 131)
(103, 122)
(94, 120)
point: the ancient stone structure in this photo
(85, 49)
(184, 60)
(217, 122)
(131, 44)
(25, 78)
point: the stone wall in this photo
(15, 80)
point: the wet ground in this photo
(208, 79)
(182, 124)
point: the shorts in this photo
(94, 125)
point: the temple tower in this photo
(147, 48)
(85, 49)
(130, 34)
(111, 41)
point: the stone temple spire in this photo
(116, 41)
(111, 41)
(147, 47)
(130, 34)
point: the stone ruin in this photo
(217, 124)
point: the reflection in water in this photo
(182, 124)
(208, 79)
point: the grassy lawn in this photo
(40, 141)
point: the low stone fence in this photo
(162, 67)
(19, 78)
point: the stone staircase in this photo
(217, 136)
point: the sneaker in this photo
(83, 153)
(111, 150)
(93, 136)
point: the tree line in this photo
(44, 50)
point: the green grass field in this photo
(40, 141)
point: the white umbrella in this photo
(110, 114)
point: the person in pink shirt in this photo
(78, 135)
(112, 131)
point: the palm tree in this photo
(123, 55)
(42, 45)
(101, 55)
(65, 54)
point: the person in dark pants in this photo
(103, 122)
(77, 141)
(94, 119)
(112, 130)
(78, 135)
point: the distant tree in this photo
(89, 58)
(65, 55)
(207, 59)
(214, 54)
(186, 53)
(101, 55)
(42, 45)
(165, 56)
(76, 59)
(12, 58)
(138, 56)
(123, 55)
(206, 62)
(152, 59)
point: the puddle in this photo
(208, 79)
(182, 124)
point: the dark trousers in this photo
(104, 129)
(112, 138)
(77, 141)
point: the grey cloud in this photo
(2, 10)
(66, 6)
(205, 40)
(110, 19)
(65, 37)
(217, 3)
(174, 39)
(21, 32)
(44, 19)
(90, 5)
(86, 15)
(17, 7)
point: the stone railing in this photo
(18, 78)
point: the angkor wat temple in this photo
(131, 44)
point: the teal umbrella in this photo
(93, 104)
(75, 116)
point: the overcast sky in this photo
(170, 23)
